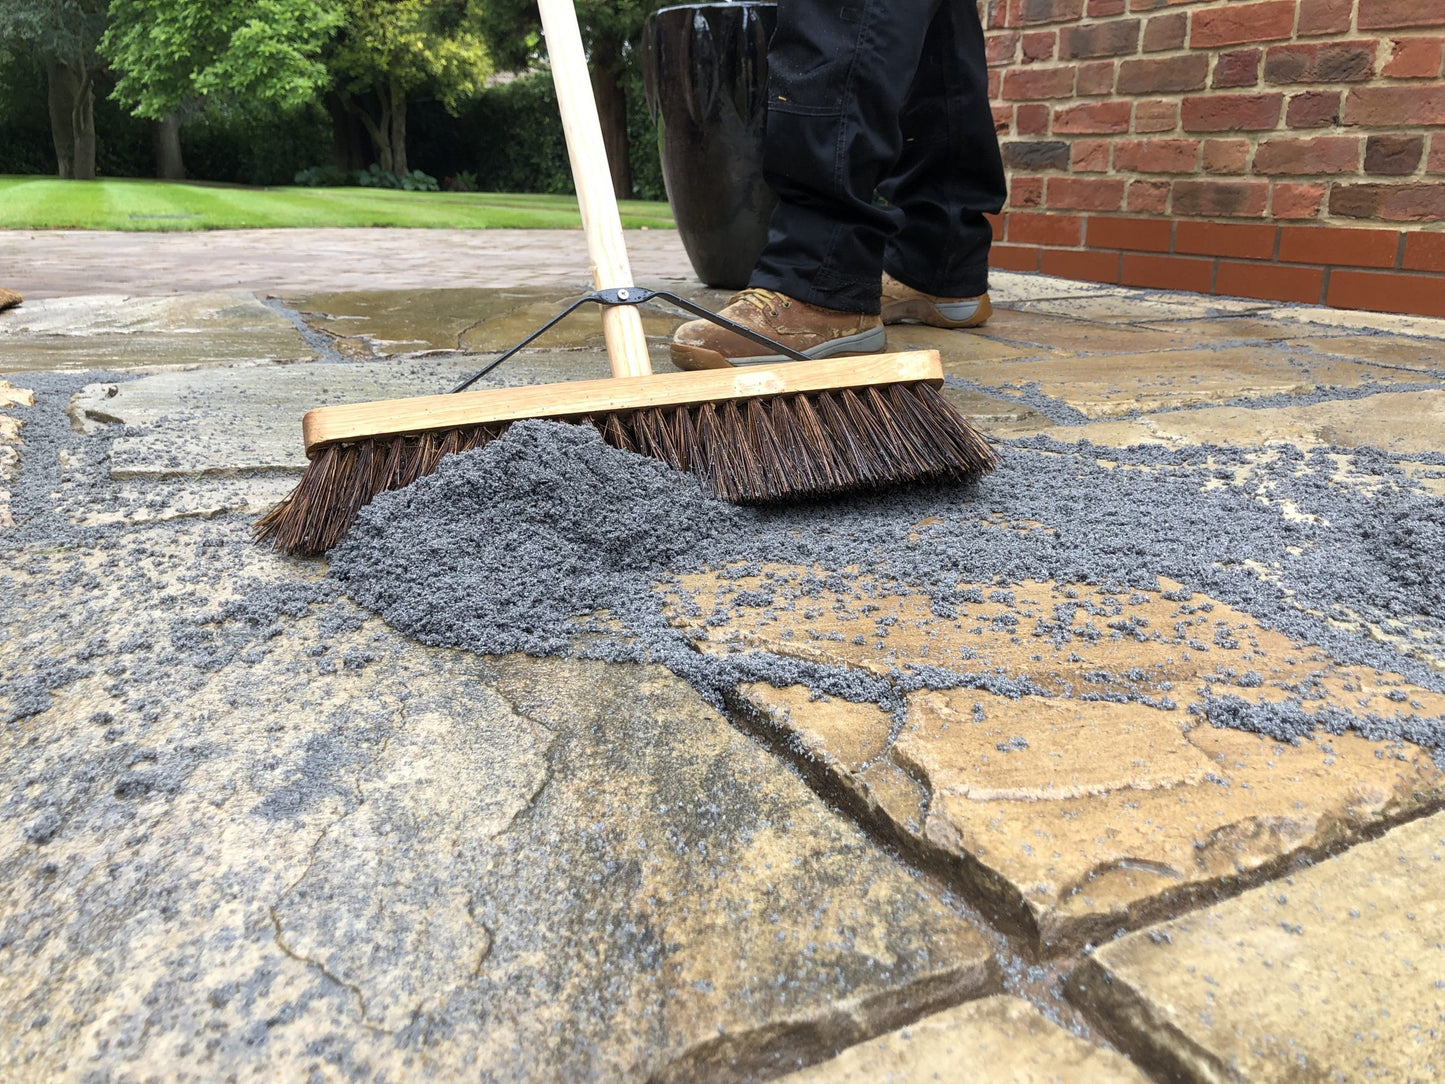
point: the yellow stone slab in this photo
(995, 1040)
(1073, 816)
(1336, 972)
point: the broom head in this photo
(766, 433)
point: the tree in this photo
(62, 35)
(369, 56)
(612, 31)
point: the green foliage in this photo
(63, 30)
(611, 29)
(264, 50)
(416, 46)
(373, 176)
(251, 142)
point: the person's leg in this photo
(949, 171)
(839, 72)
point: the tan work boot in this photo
(817, 332)
(905, 305)
(9, 299)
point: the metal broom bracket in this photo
(636, 295)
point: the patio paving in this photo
(251, 830)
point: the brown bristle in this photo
(767, 449)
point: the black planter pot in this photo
(705, 68)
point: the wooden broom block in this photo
(575, 399)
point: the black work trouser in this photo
(886, 97)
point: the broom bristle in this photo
(786, 447)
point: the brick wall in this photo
(1284, 149)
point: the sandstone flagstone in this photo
(1075, 816)
(10, 426)
(1336, 972)
(995, 1040)
(115, 331)
(259, 835)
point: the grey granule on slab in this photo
(515, 546)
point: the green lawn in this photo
(45, 203)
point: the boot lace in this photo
(768, 301)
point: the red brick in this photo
(1418, 294)
(1002, 119)
(1324, 17)
(1032, 119)
(1270, 282)
(1066, 231)
(995, 84)
(1395, 107)
(1226, 155)
(1220, 199)
(1390, 202)
(1155, 115)
(1084, 193)
(1225, 239)
(1026, 192)
(1313, 109)
(1334, 246)
(1090, 156)
(1237, 68)
(1085, 265)
(1164, 75)
(1148, 197)
(1165, 32)
(1038, 45)
(1415, 58)
(1232, 113)
(1320, 62)
(1396, 14)
(1096, 79)
(1157, 155)
(1295, 201)
(1013, 258)
(1393, 155)
(998, 224)
(1238, 24)
(1001, 48)
(1423, 251)
(1117, 37)
(1093, 118)
(1040, 84)
(1101, 8)
(1139, 234)
(1326, 155)
(1033, 12)
(1167, 273)
(1436, 161)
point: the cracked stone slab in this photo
(10, 427)
(1332, 973)
(1109, 385)
(248, 831)
(994, 1040)
(117, 331)
(1074, 816)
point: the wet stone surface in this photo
(273, 818)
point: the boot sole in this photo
(693, 358)
(919, 310)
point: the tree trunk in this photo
(84, 124)
(612, 112)
(348, 137)
(170, 166)
(380, 132)
(63, 88)
(398, 129)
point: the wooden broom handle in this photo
(621, 325)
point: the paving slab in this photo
(117, 331)
(255, 833)
(1088, 792)
(995, 1040)
(1332, 973)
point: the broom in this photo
(763, 433)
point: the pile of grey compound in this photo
(549, 541)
